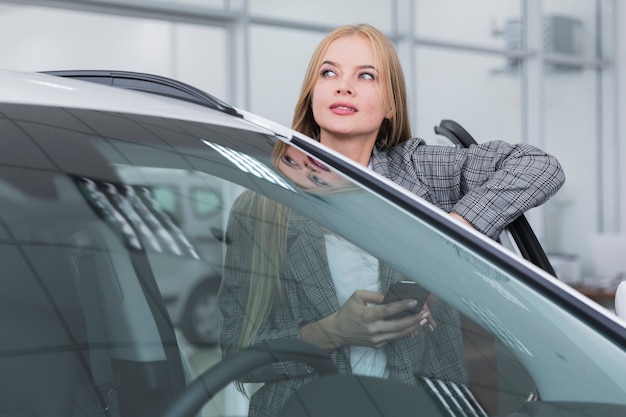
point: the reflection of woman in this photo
(285, 277)
(307, 173)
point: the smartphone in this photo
(402, 290)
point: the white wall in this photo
(621, 111)
(445, 81)
(40, 39)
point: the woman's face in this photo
(306, 172)
(347, 99)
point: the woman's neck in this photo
(357, 149)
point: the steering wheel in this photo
(209, 383)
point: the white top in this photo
(354, 269)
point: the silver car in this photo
(89, 232)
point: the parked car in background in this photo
(115, 189)
(194, 203)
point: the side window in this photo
(497, 379)
(206, 202)
(165, 195)
(189, 283)
(477, 352)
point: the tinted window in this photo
(166, 197)
(206, 202)
(111, 274)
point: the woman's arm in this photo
(516, 178)
(490, 184)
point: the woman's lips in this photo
(342, 108)
(318, 164)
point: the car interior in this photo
(78, 311)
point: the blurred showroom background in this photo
(547, 72)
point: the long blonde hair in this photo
(392, 131)
(268, 255)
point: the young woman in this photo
(353, 100)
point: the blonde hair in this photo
(267, 258)
(393, 130)
(272, 218)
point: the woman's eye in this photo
(367, 76)
(328, 73)
(318, 181)
(286, 159)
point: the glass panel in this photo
(88, 258)
(285, 251)
(207, 202)
(166, 197)
(570, 28)
(492, 24)
(82, 327)
(324, 263)
(326, 12)
(482, 93)
(571, 120)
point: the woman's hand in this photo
(361, 322)
(461, 219)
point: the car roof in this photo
(59, 91)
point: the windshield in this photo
(140, 251)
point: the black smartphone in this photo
(402, 290)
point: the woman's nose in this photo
(310, 167)
(344, 87)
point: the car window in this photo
(166, 197)
(206, 202)
(124, 302)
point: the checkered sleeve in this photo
(489, 184)
(500, 181)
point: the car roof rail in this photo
(149, 83)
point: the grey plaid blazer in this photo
(489, 185)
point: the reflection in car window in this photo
(89, 302)
(166, 197)
(78, 306)
(306, 172)
(265, 296)
(206, 201)
(280, 273)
